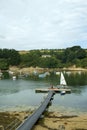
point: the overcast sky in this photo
(43, 24)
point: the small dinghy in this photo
(63, 92)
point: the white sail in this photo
(62, 80)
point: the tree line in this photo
(45, 58)
(9, 57)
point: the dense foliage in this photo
(9, 57)
(54, 58)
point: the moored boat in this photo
(63, 84)
(62, 88)
(63, 92)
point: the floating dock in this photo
(57, 90)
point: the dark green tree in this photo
(4, 64)
(73, 53)
(14, 57)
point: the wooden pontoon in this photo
(57, 90)
(62, 88)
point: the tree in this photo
(48, 62)
(72, 53)
(4, 64)
(31, 58)
(14, 57)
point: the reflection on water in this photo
(76, 78)
(21, 93)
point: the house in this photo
(45, 56)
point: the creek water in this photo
(20, 94)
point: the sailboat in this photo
(61, 88)
(62, 80)
(63, 83)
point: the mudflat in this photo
(50, 121)
(59, 121)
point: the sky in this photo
(43, 24)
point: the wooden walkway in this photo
(31, 120)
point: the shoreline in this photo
(60, 109)
(38, 70)
(56, 120)
(51, 120)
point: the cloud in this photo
(37, 24)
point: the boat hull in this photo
(63, 92)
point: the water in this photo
(20, 94)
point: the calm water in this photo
(20, 94)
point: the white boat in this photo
(63, 83)
(14, 77)
(63, 92)
(62, 80)
(61, 88)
